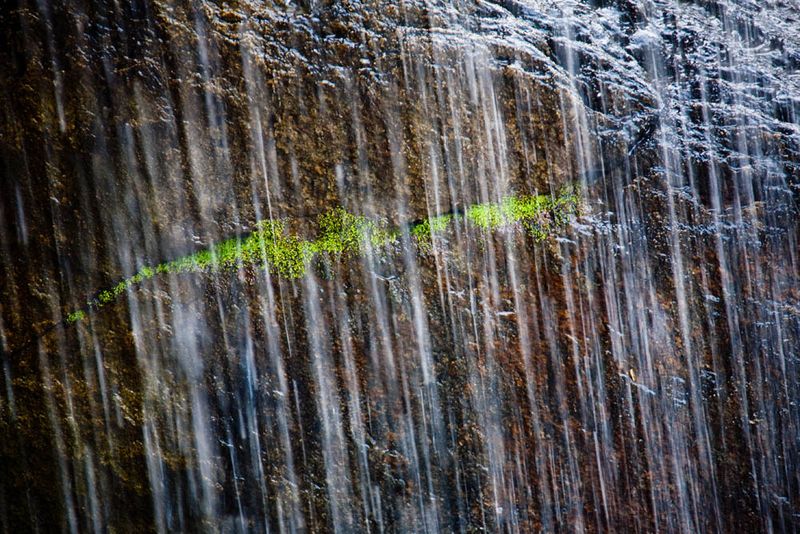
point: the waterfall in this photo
(421, 266)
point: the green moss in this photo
(76, 316)
(423, 232)
(525, 208)
(538, 214)
(487, 216)
(383, 237)
(119, 288)
(565, 204)
(342, 233)
(440, 223)
(269, 245)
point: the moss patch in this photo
(76, 316)
(342, 233)
(423, 232)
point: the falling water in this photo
(306, 267)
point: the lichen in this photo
(341, 233)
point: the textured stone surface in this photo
(638, 372)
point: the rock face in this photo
(634, 371)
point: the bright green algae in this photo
(342, 233)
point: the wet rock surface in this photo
(635, 371)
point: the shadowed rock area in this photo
(629, 364)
